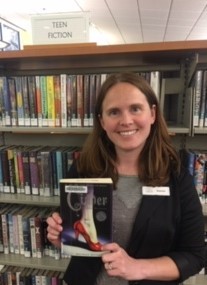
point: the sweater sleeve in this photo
(190, 250)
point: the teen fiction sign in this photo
(60, 28)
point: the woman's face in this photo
(127, 117)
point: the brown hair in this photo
(157, 158)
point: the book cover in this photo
(86, 209)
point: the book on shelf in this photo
(50, 100)
(6, 103)
(64, 107)
(32, 100)
(57, 97)
(86, 102)
(86, 210)
(79, 81)
(13, 100)
(197, 97)
(72, 112)
(39, 100)
(155, 82)
(19, 98)
(26, 104)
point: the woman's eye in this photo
(113, 112)
(135, 109)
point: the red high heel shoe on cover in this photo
(79, 229)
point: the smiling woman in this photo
(157, 216)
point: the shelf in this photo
(47, 263)
(46, 130)
(78, 131)
(70, 58)
(30, 199)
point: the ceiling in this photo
(122, 21)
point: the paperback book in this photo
(86, 210)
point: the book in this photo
(39, 100)
(79, 95)
(57, 91)
(4, 92)
(64, 107)
(81, 199)
(20, 105)
(197, 97)
(43, 90)
(32, 100)
(26, 103)
(13, 100)
(50, 100)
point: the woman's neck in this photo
(127, 165)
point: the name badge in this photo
(156, 191)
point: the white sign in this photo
(60, 28)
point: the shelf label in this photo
(60, 28)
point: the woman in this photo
(158, 223)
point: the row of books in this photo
(200, 99)
(17, 275)
(195, 160)
(23, 230)
(34, 170)
(54, 100)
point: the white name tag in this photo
(156, 191)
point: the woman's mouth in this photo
(127, 133)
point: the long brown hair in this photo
(157, 158)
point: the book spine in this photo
(92, 98)
(32, 100)
(16, 234)
(11, 232)
(63, 82)
(86, 100)
(26, 172)
(47, 174)
(197, 97)
(5, 171)
(26, 103)
(73, 97)
(50, 101)
(16, 172)
(5, 233)
(57, 91)
(12, 174)
(39, 100)
(20, 106)
(6, 101)
(34, 171)
(80, 100)
(13, 101)
(20, 170)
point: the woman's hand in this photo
(54, 229)
(117, 262)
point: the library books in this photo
(86, 210)
(64, 100)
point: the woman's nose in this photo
(125, 118)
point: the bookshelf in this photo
(176, 61)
